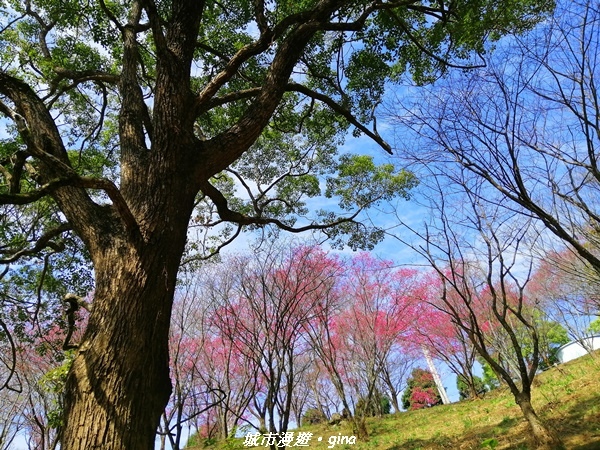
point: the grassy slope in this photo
(567, 397)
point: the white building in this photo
(575, 349)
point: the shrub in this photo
(313, 416)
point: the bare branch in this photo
(111, 16)
(75, 180)
(11, 23)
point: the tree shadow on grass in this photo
(470, 440)
(581, 425)
(594, 445)
(508, 422)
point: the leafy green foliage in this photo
(360, 181)
(595, 326)
(489, 443)
(490, 380)
(295, 155)
(551, 336)
(53, 382)
(464, 392)
(554, 335)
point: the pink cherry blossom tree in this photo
(359, 336)
(442, 337)
(274, 295)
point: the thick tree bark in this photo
(120, 378)
(119, 382)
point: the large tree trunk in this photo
(544, 437)
(119, 383)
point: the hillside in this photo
(566, 396)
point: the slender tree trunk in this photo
(224, 426)
(262, 424)
(469, 380)
(393, 395)
(163, 441)
(473, 391)
(395, 403)
(359, 423)
(392, 390)
(544, 437)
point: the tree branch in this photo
(228, 215)
(228, 98)
(13, 355)
(400, 22)
(78, 77)
(133, 109)
(227, 146)
(43, 242)
(30, 197)
(342, 111)
(44, 142)
(156, 26)
(111, 16)
(84, 182)
(33, 107)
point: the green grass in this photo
(566, 397)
